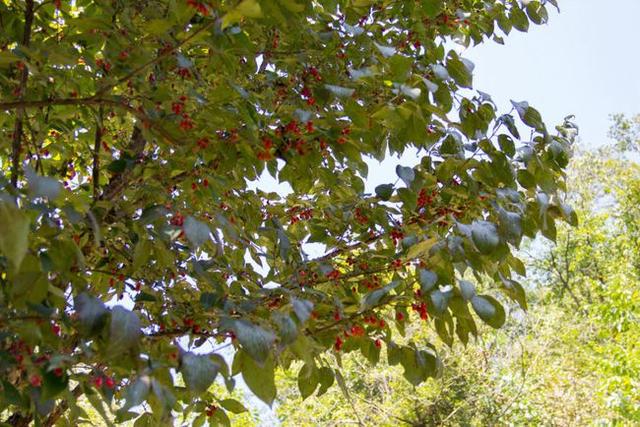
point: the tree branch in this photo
(95, 172)
(61, 408)
(163, 54)
(136, 147)
(21, 104)
(16, 145)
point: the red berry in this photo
(97, 381)
(55, 328)
(35, 380)
(109, 382)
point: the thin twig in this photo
(163, 54)
(16, 146)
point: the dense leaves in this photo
(578, 339)
(140, 142)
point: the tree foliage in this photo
(539, 369)
(137, 234)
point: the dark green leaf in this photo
(427, 279)
(91, 313)
(198, 371)
(485, 236)
(384, 191)
(124, 331)
(196, 232)
(14, 233)
(406, 174)
(255, 340)
(233, 405)
(259, 378)
(489, 310)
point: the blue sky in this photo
(585, 61)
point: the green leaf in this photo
(124, 331)
(284, 243)
(157, 26)
(14, 233)
(259, 378)
(406, 174)
(507, 145)
(11, 395)
(412, 371)
(141, 254)
(537, 13)
(326, 379)
(515, 291)
(302, 308)
(162, 400)
(439, 300)
(569, 214)
(526, 179)
(7, 58)
(220, 417)
(400, 67)
(91, 312)
(374, 297)
(255, 340)
(249, 8)
(40, 186)
(529, 115)
(460, 70)
(342, 92)
(386, 51)
(308, 380)
(53, 385)
(467, 289)
(287, 328)
(196, 232)
(432, 8)
(427, 280)
(510, 226)
(233, 405)
(246, 8)
(489, 310)
(519, 19)
(198, 371)
(384, 191)
(421, 248)
(485, 236)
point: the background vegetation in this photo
(572, 359)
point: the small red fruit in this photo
(97, 381)
(55, 328)
(35, 380)
(109, 382)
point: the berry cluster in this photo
(199, 6)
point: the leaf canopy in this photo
(138, 143)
